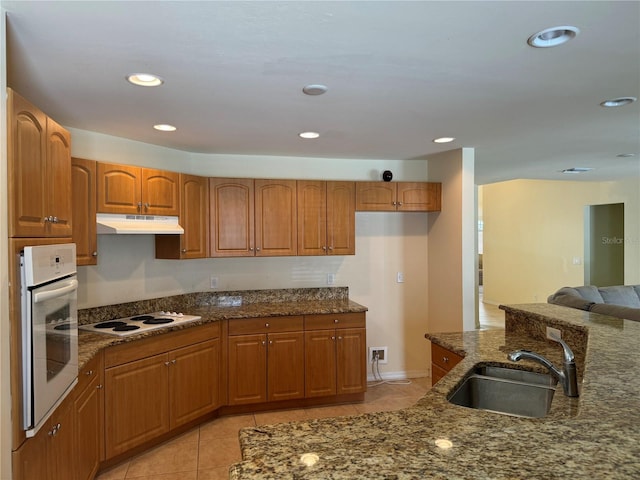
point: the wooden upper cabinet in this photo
(83, 195)
(231, 217)
(39, 172)
(276, 230)
(398, 196)
(341, 218)
(136, 190)
(194, 218)
(160, 192)
(252, 217)
(326, 217)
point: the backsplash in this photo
(182, 303)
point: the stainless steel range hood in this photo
(116, 224)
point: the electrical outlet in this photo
(331, 278)
(214, 282)
(379, 353)
(400, 277)
(553, 333)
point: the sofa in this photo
(622, 301)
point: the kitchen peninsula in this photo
(593, 436)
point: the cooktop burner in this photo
(139, 323)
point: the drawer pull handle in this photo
(89, 373)
(445, 359)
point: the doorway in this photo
(604, 245)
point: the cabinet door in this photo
(312, 217)
(247, 369)
(276, 231)
(285, 366)
(83, 196)
(30, 460)
(320, 363)
(58, 173)
(27, 181)
(61, 446)
(376, 196)
(341, 218)
(231, 211)
(160, 192)
(194, 218)
(136, 403)
(88, 430)
(351, 360)
(119, 189)
(418, 196)
(193, 381)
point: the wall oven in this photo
(49, 330)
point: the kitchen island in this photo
(593, 436)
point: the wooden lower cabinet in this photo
(148, 397)
(50, 454)
(89, 419)
(442, 361)
(335, 362)
(266, 367)
(335, 354)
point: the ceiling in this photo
(399, 74)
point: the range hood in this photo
(120, 224)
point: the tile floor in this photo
(207, 451)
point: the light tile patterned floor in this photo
(207, 451)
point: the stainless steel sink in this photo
(505, 390)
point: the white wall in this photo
(386, 243)
(5, 391)
(452, 244)
(533, 230)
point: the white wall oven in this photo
(49, 330)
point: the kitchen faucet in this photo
(568, 377)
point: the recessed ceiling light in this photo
(145, 79)
(315, 89)
(574, 170)
(309, 135)
(444, 139)
(618, 102)
(552, 37)
(163, 127)
(626, 155)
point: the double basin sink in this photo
(507, 391)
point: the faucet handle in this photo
(569, 357)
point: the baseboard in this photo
(400, 375)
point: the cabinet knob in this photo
(251, 249)
(146, 206)
(257, 249)
(324, 248)
(55, 220)
(399, 204)
(88, 373)
(330, 248)
(139, 206)
(94, 254)
(445, 359)
(270, 342)
(167, 363)
(339, 338)
(184, 250)
(264, 343)
(99, 386)
(333, 337)
(335, 320)
(267, 325)
(174, 361)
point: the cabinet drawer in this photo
(437, 373)
(138, 349)
(334, 320)
(245, 326)
(443, 358)
(90, 371)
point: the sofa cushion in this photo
(587, 292)
(618, 311)
(624, 295)
(572, 301)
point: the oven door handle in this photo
(58, 292)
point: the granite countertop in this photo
(593, 436)
(258, 304)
